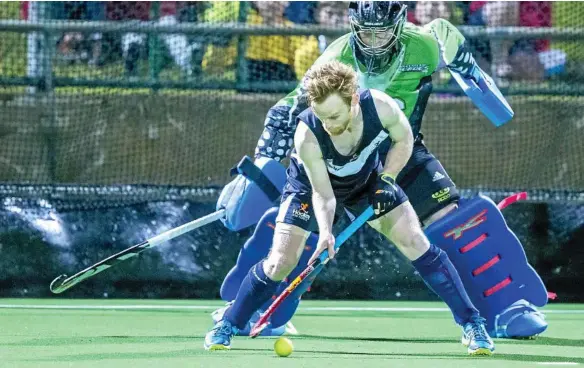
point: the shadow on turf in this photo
(62, 341)
(506, 357)
(313, 354)
(59, 341)
(372, 314)
(378, 339)
(554, 341)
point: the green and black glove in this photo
(384, 194)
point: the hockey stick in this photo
(322, 260)
(62, 283)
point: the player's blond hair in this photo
(327, 79)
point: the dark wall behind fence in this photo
(38, 243)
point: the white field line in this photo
(213, 307)
(557, 363)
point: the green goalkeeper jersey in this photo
(408, 79)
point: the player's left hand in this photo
(384, 194)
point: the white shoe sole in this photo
(216, 347)
(480, 352)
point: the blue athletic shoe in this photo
(219, 338)
(287, 329)
(476, 338)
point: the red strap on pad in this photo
(512, 199)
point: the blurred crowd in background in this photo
(288, 57)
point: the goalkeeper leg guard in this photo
(493, 267)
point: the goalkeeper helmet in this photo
(375, 30)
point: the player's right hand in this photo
(384, 194)
(325, 242)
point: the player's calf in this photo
(259, 285)
(256, 288)
(433, 264)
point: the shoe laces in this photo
(223, 328)
(478, 328)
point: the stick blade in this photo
(57, 283)
(258, 328)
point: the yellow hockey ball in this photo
(283, 347)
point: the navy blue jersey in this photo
(348, 174)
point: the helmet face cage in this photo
(376, 27)
(377, 40)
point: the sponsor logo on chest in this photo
(332, 167)
(419, 68)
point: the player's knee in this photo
(403, 229)
(413, 244)
(286, 250)
(278, 265)
(416, 244)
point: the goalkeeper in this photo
(399, 58)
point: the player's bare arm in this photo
(400, 132)
(323, 198)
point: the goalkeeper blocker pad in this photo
(493, 267)
(251, 194)
(486, 97)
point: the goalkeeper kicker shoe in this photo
(219, 337)
(476, 338)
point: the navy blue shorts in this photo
(426, 183)
(296, 206)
